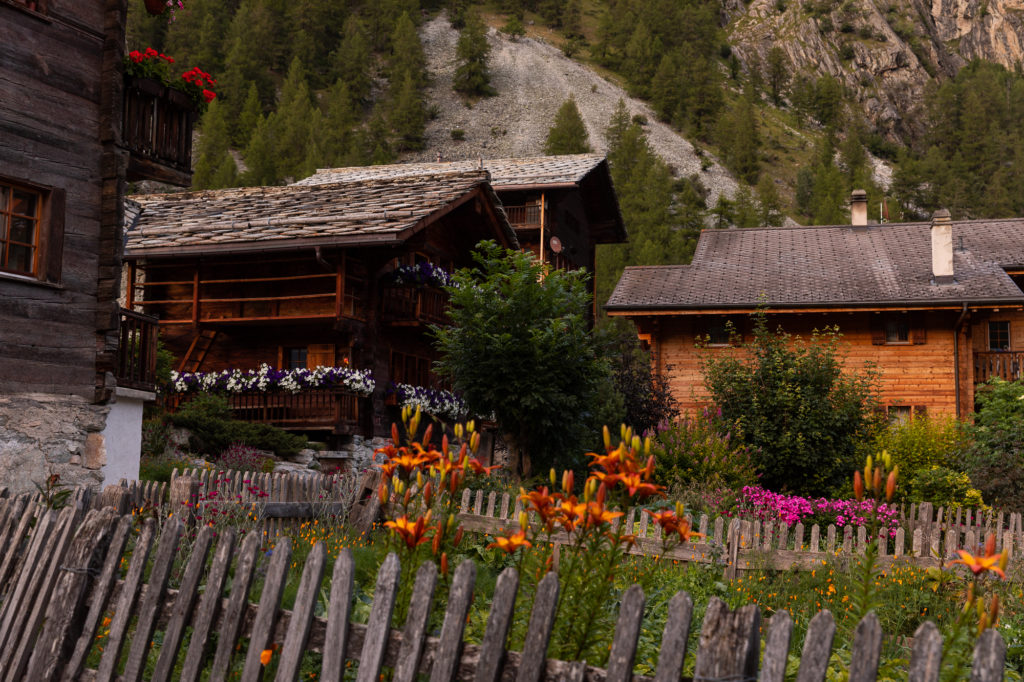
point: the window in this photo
(295, 358)
(899, 414)
(897, 331)
(999, 335)
(720, 332)
(410, 369)
(31, 230)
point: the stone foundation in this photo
(43, 434)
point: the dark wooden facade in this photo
(303, 305)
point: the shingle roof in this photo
(538, 170)
(356, 212)
(881, 265)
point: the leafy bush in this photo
(793, 402)
(647, 399)
(241, 457)
(703, 449)
(209, 419)
(995, 461)
(161, 467)
(923, 442)
(945, 487)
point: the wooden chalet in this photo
(936, 307)
(74, 367)
(301, 276)
(561, 207)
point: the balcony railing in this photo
(158, 132)
(523, 216)
(136, 354)
(413, 305)
(1008, 365)
(331, 409)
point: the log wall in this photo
(918, 375)
(58, 89)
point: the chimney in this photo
(859, 207)
(942, 247)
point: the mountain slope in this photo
(533, 79)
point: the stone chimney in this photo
(942, 247)
(859, 207)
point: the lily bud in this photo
(602, 493)
(458, 536)
(471, 426)
(636, 443)
(890, 486)
(428, 433)
(444, 444)
(474, 441)
(867, 474)
(399, 486)
(435, 546)
(394, 433)
(407, 497)
(647, 445)
(993, 610)
(451, 522)
(1004, 558)
(419, 478)
(970, 597)
(458, 431)
(607, 437)
(428, 493)
(858, 486)
(444, 564)
(414, 423)
(680, 509)
(990, 544)
(553, 477)
(877, 480)
(649, 469)
(524, 520)
(886, 459)
(567, 481)
(382, 493)
(405, 414)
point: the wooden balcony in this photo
(524, 216)
(157, 131)
(317, 409)
(1008, 365)
(413, 305)
(136, 351)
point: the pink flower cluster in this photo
(764, 505)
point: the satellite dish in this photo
(556, 245)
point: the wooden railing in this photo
(157, 131)
(336, 409)
(61, 574)
(136, 351)
(1008, 365)
(413, 305)
(523, 216)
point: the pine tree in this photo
(342, 116)
(572, 19)
(259, 157)
(212, 148)
(407, 57)
(568, 135)
(248, 60)
(408, 116)
(740, 141)
(778, 73)
(514, 28)
(472, 50)
(290, 123)
(745, 211)
(639, 65)
(769, 202)
(352, 60)
(315, 157)
(252, 109)
(667, 89)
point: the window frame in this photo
(1009, 337)
(719, 327)
(898, 324)
(48, 238)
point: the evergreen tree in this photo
(313, 25)
(407, 57)
(769, 202)
(315, 154)
(568, 135)
(342, 117)
(212, 148)
(514, 28)
(351, 61)
(740, 140)
(260, 157)
(248, 61)
(226, 174)
(290, 123)
(640, 62)
(408, 116)
(249, 117)
(778, 73)
(572, 19)
(472, 50)
(667, 89)
(745, 211)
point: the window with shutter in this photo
(31, 230)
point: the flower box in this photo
(157, 131)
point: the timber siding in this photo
(920, 376)
(59, 110)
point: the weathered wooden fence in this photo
(743, 545)
(60, 581)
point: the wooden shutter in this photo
(52, 238)
(919, 329)
(877, 330)
(320, 354)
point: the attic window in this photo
(720, 332)
(897, 331)
(999, 335)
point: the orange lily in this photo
(980, 564)
(413, 533)
(597, 514)
(510, 543)
(638, 487)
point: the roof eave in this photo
(866, 305)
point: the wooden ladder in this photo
(197, 350)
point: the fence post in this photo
(183, 497)
(989, 657)
(730, 642)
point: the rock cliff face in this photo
(885, 52)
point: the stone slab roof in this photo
(837, 265)
(539, 170)
(356, 212)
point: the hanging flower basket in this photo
(155, 7)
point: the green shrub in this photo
(923, 442)
(703, 450)
(995, 460)
(161, 467)
(944, 487)
(208, 418)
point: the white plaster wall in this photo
(122, 437)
